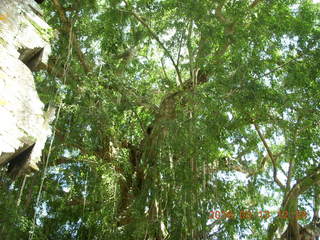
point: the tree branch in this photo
(155, 36)
(255, 3)
(219, 15)
(273, 159)
(303, 185)
(67, 28)
(281, 66)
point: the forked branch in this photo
(273, 159)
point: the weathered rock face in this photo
(24, 47)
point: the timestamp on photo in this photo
(250, 214)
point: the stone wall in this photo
(24, 48)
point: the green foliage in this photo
(137, 155)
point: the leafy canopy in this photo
(172, 109)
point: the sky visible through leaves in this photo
(170, 110)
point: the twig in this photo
(280, 66)
(155, 36)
